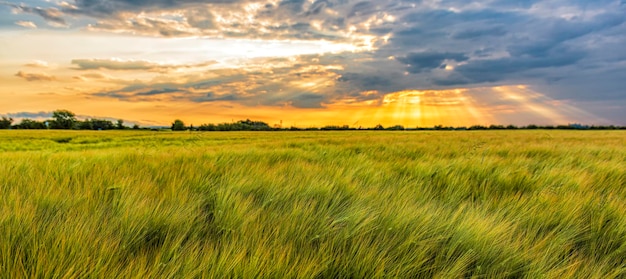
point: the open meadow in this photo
(356, 204)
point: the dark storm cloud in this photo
(307, 100)
(425, 61)
(478, 33)
(524, 4)
(362, 8)
(441, 28)
(372, 82)
(293, 5)
(502, 42)
(560, 44)
(560, 31)
(496, 70)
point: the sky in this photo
(316, 62)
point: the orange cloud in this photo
(35, 76)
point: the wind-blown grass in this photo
(484, 204)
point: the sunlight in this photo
(501, 105)
(431, 107)
(516, 104)
(413, 108)
(542, 107)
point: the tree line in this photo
(249, 125)
(64, 119)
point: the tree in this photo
(85, 125)
(95, 124)
(178, 125)
(395, 128)
(30, 124)
(120, 124)
(5, 123)
(63, 119)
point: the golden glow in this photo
(538, 104)
(220, 80)
(410, 108)
(458, 107)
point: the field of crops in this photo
(412, 204)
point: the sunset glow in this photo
(315, 63)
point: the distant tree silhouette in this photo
(63, 119)
(120, 124)
(241, 125)
(31, 124)
(95, 124)
(178, 125)
(532, 127)
(5, 123)
(395, 128)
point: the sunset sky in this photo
(316, 62)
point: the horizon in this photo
(45, 118)
(316, 63)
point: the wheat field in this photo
(408, 204)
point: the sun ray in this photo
(501, 105)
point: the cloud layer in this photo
(571, 49)
(35, 76)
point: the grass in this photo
(477, 204)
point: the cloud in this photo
(307, 100)
(106, 8)
(132, 65)
(53, 16)
(331, 20)
(145, 25)
(91, 76)
(31, 115)
(26, 24)
(158, 92)
(509, 68)
(300, 83)
(37, 64)
(35, 76)
(104, 78)
(423, 36)
(112, 64)
(212, 97)
(429, 60)
(469, 34)
(398, 45)
(557, 32)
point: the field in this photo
(447, 204)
